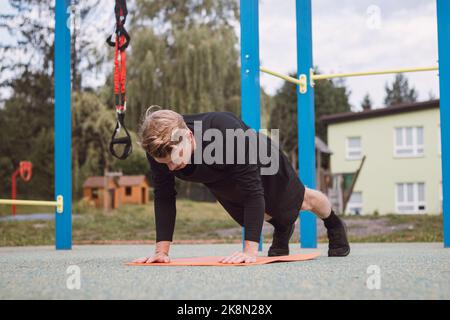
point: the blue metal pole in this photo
(443, 18)
(63, 161)
(250, 87)
(305, 121)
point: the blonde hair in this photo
(156, 130)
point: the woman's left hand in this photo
(239, 257)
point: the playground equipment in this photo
(63, 146)
(62, 120)
(25, 171)
(250, 86)
(120, 44)
(302, 80)
(58, 203)
(250, 73)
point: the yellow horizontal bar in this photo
(29, 202)
(371, 73)
(279, 75)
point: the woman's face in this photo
(181, 153)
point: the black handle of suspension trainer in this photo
(121, 141)
(110, 42)
(125, 44)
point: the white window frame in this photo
(353, 206)
(414, 147)
(415, 203)
(349, 149)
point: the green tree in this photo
(431, 95)
(27, 115)
(330, 98)
(399, 92)
(182, 14)
(26, 69)
(366, 104)
(92, 122)
(267, 105)
(30, 41)
(30, 45)
(86, 58)
(91, 131)
(26, 134)
(184, 57)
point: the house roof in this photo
(126, 181)
(381, 112)
(123, 181)
(94, 182)
(321, 146)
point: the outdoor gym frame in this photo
(63, 135)
(251, 107)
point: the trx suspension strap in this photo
(120, 44)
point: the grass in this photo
(422, 228)
(129, 223)
(7, 210)
(195, 221)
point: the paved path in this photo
(408, 271)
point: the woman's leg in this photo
(282, 233)
(316, 202)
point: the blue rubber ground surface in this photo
(407, 271)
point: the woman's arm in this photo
(164, 200)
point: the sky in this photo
(348, 36)
(352, 36)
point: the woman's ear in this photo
(192, 138)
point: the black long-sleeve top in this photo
(240, 187)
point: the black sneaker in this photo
(280, 242)
(338, 243)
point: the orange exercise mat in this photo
(214, 261)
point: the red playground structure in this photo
(25, 170)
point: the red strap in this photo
(120, 69)
(116, 68)
(123, 66)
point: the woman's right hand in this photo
(157, 257)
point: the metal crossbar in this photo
(314, 77)
(58, 203)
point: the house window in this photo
(354, 205)
(410, 197)
(128, 191)
(408, 142)
(94, 193)
(354, 148)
